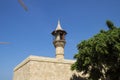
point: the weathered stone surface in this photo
(43, 68)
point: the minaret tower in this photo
(59, 41)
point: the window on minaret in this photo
(62, 36)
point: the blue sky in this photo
(29, 33)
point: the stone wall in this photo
(43, 68)
(22, 71)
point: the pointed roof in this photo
(59, 26)
(58, 29)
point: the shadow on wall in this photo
(77, 77)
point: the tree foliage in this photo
(99, 56)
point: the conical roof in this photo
(58, 29)
(59, 26)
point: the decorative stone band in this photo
(59, 43)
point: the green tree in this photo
(99, 56)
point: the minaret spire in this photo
(59, 41)
(59, 26)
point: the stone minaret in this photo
(59, 41)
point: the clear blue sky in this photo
(29, 33)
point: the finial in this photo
(58, 21)
(58, 26)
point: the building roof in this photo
(43, 59)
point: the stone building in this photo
(45, 68)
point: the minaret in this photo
(59, 41)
